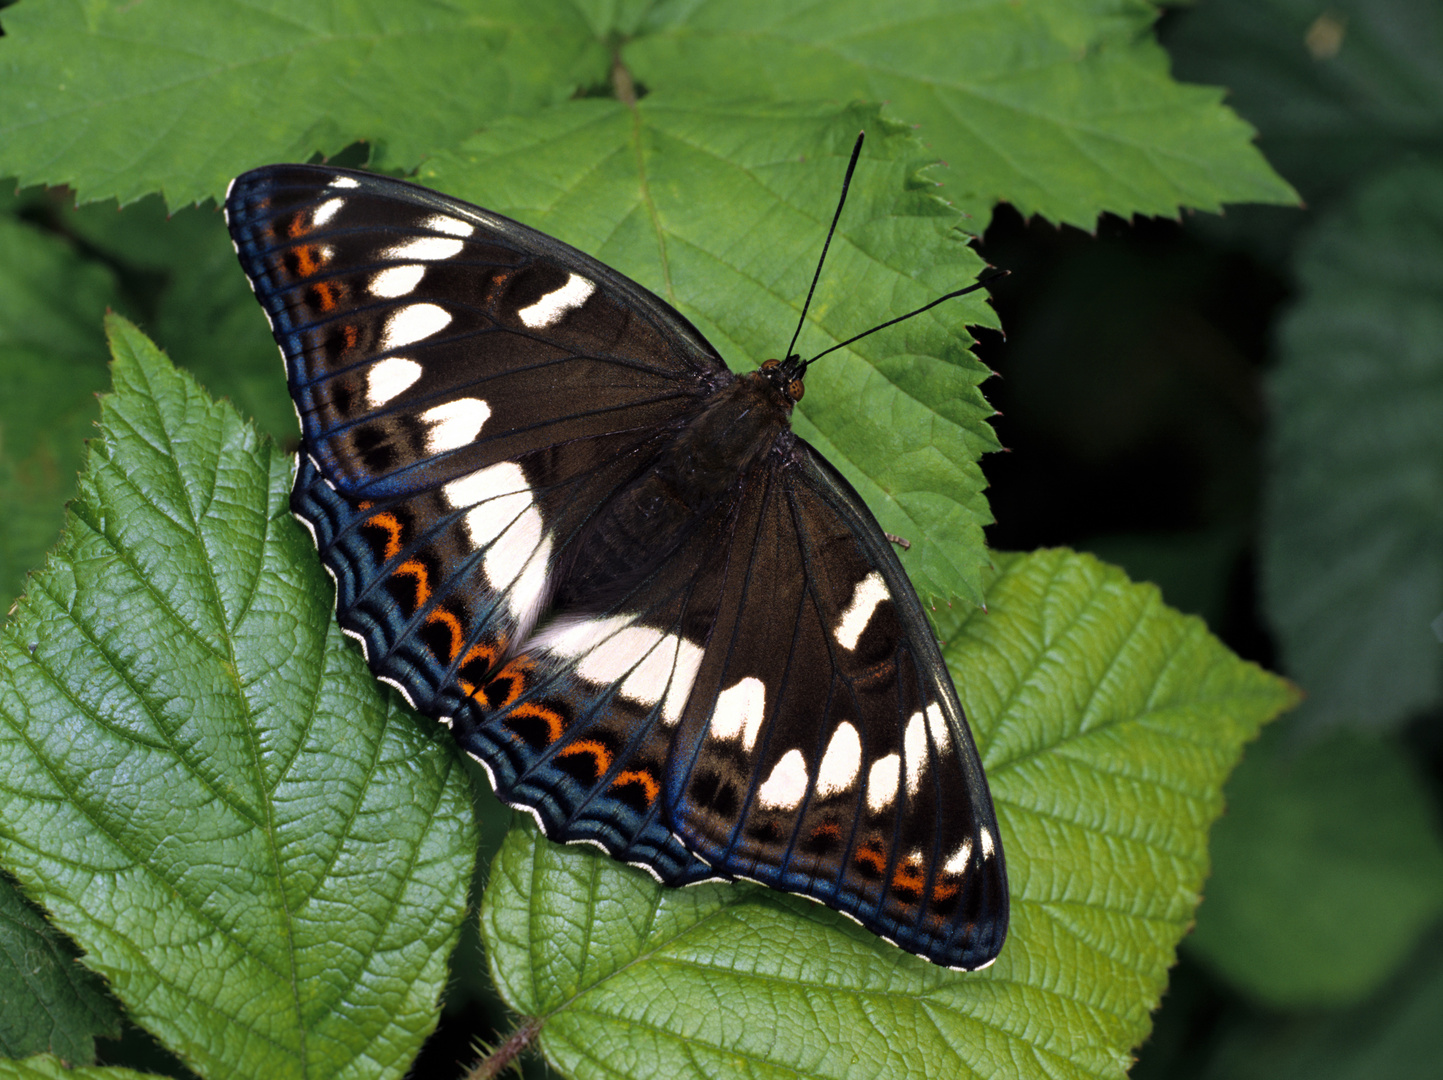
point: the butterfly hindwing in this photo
(823, 750)
(558, 524)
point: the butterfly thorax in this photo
(710, 456)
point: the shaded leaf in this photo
(1353, 544)
(1061, 109)
(52, 361)
(1107, 724)
(266, 862)
(1394, 1035)
(1064, 111)
(1337, 90)
(93, 95)
(180, 268)
(47, 1067)
(1328, 868)
(722, 211)
(50, 1002)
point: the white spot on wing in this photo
(986, 838)
(870, 592)
(327, 210)
(513, 548)
(449, 225)
(842, 763)
(455, 423)
(424, 249)
(529, 591)
(882, 783)
(548, 310)
(688, 663)
(914, 746)
(503, 515)
(786, 786)
(413, 323)
(937, 725)
(389, 378)
(740, 710)
(493, 482)
(669, 669)
(957, 863)
(573, 637)
(397, 281)
(344, 182)
(651, 664)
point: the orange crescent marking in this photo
(478, 652)
(413, 569)
(453, 624)
(941, 891)
(554, 724)
(392, 524)
(516, 671)
(310, 259)
(829, 829)
(645, 779)
(872, 857)
(599, 753)
(909, 876)
(328, 294)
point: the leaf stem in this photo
(503, 1056)
(622, 84)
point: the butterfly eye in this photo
(771, 364)
(795, 389)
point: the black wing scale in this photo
(558, 524)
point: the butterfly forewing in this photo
(425, 338)
(559, 525)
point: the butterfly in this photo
(561, 526)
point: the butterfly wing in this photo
(469, 392)
(772, 694)
(762, 699)
(823, 750)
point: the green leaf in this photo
(722, 211)
(208, 320)
(1337, 90)
(1062, 109)
(198, 781)
(46, 1067)
(182, 269)
(1107, 724)
(1328, 869)
(120, 100)
(1353, 544)
(1394, 1035)
(52, 361)
(51, 1003)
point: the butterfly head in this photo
(786, 377)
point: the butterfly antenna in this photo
(981, 282)
(846, 183)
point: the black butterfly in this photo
(562, 527)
